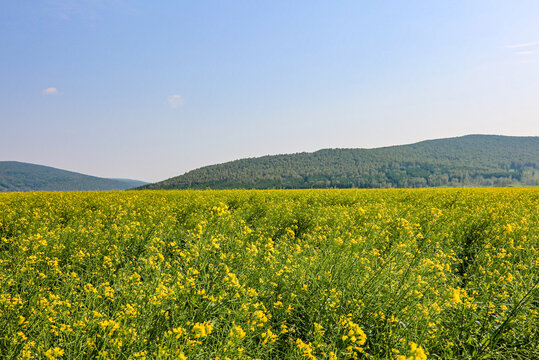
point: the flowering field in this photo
(325, 274)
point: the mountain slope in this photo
(130, 183)
(472, 160)
(18, 176)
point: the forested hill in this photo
(472, 160)
(19, 176)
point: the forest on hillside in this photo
(19, 176)
(473, 160)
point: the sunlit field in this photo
(309, 274)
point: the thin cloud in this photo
(516, 46)
(524, 52)
(531, 61)
(50, 91)
(175, 101)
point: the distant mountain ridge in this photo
(20, 176)
(471, 160)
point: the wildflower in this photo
(416, 353)
(268, 336)
(53, 354)
(260, 316)
(202, 329)
(237, 332)
(456, 296)
(305, 349)
(179, 331)
(319, 329)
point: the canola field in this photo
(310, 274)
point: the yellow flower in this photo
(416, 353)
(456, 296)
(260, 316)
(179, 331)
(306, 349)
(202, 329)
(268, 336)
(319, 329)
(52, 354)
(237, 332)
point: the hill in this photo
(130, 182)
(471, 160)
(19, 176)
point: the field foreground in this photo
(309, 274)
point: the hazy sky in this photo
(151, 89)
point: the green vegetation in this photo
(18, 176)
(394, 274)
(473, 160)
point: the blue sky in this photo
(149, 90)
